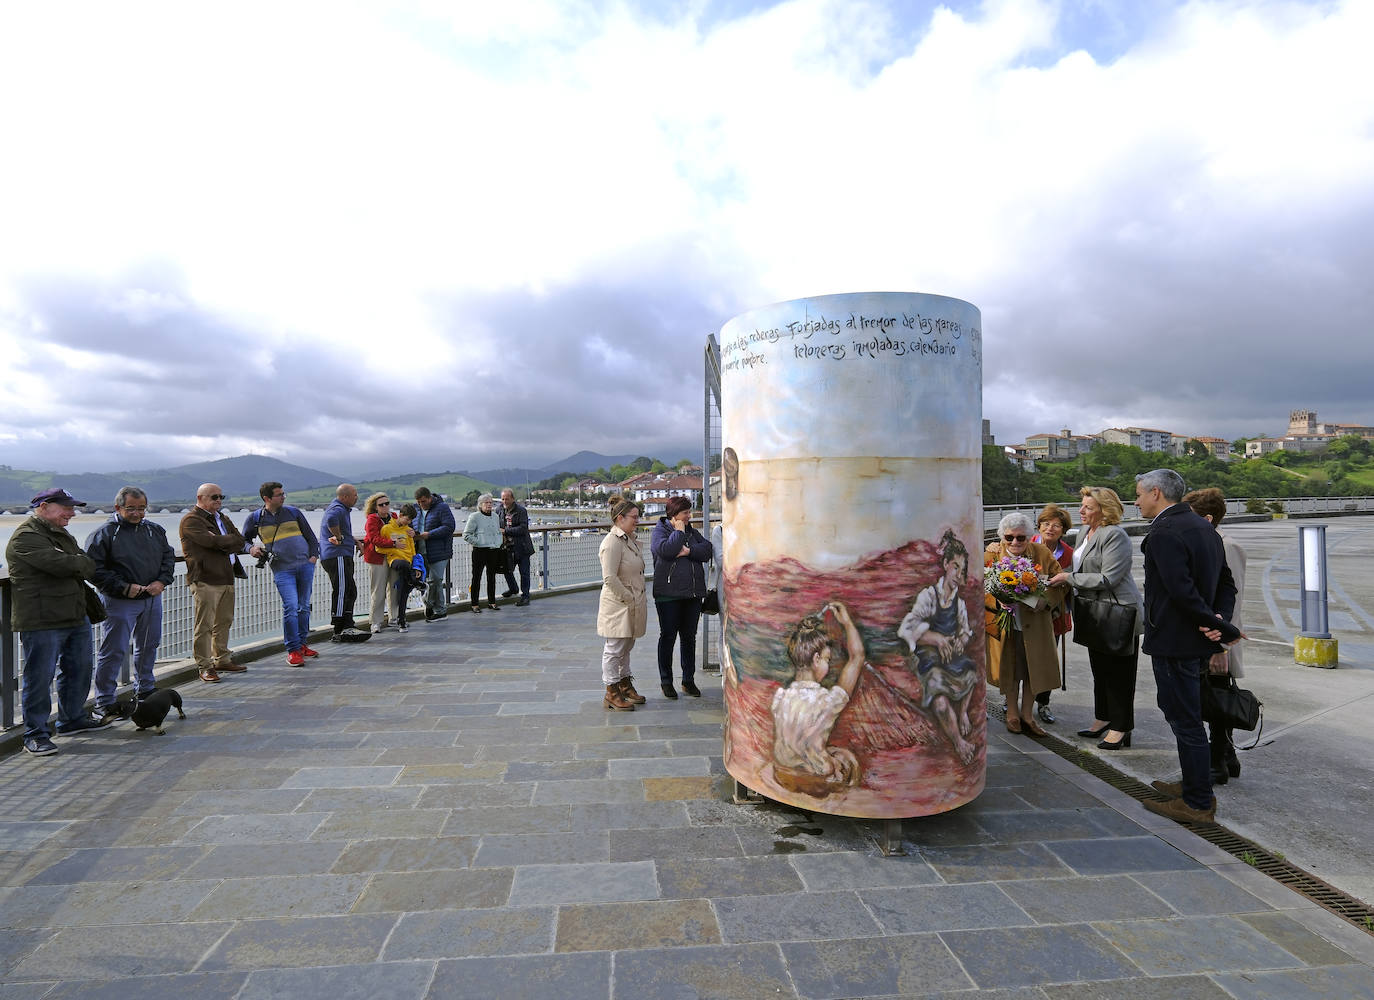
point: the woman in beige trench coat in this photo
(623, 613)
(1022, 662)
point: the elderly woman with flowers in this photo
(1020, 641)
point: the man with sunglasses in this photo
(212, 546)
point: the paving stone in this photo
(660, 767)
(916, 909)
(366, 824)
(994, 862)
(1168, 988)
(20, 836)
(361, 799)
(1122, 855)
(236, 860)
(155, 901)
(280, 896)
(616, 751)
(1170, 947)
(854, 870)
(684, 878)
(436, 890)
(256, 829)
(1032, 955)
(508, 820)
(393, 980)
(476, 795)
(799, 916)
(626, 926)
(301, 942)
(472, 933)
(670, 789)
(720, 972)
(1348, 982)
(534, 848)
(1296, 939)
(883, 966)
(692, 842)
(118, 864)
(201, 985)
(552, 771)
(233, 801)
(1193, 893)
(17, 943)
(1080, 900)
(1039, 824)
(125, 950)
(535, 977)
(406, 854)
(438, 774)
(558, 753)
(568, 792)
(584, 883)
(628, 815)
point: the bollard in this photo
(1314, 645)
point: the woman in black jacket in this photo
(680, 554)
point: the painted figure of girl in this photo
(937, 632)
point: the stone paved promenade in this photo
(452, 813)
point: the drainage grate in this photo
(1279, 869)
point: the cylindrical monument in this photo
(852, 523)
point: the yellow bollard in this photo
(1309, 651)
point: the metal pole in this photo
(1314, 646)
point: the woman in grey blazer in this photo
(1102, 571)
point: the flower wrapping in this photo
(1013, 580)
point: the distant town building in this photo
(1058, 447)
(1144, 438)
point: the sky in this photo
(429, 235)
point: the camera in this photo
(266, 560)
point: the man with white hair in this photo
(1189, 597)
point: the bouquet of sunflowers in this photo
(1012, 580)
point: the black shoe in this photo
(1094, 734)
(1125, 741)
(1045, 714)
(476, 610)
(40, 746)
(689, 688)
(669, 692)
(493, 606)
(508, 593)
(82, 724)
(523, 602)
(1219, 775)
(1232, 764)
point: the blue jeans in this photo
(140, 618)
(66, 654)
(1178, 686)
(435, 602)
(294, 586)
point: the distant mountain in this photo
(239, 477)
(585, 461)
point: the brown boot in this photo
(627, 689)
(1177, 809)
(616, 701)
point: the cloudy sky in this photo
(431, 235)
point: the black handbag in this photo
(1104, 625)
(710, 604)
(1230, 706)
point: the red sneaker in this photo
(295, 659)
(307, 651)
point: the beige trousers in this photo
(214, 616)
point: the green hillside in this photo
(451, 484)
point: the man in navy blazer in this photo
(1189, 597)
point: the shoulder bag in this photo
(1104, 625)
(1226, 704)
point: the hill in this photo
(453, 485)
(240, 477)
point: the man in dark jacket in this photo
(337, 549)
(48, 574)
(434, 530)
(212, 546)
(133, 564)
(515, 526)
(1189, 597)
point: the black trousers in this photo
(677, 625)
(486, 561)
(345, 592)
(1114, 687)
(522, 563)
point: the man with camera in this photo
(286, 545)
(212, 545)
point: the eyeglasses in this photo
(215, 496)
(383, 503)
(1013, 538)
(136, 510)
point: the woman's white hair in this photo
(1016, 519)
(485, 498)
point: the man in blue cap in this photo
(48, 574)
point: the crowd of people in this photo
(60, 590)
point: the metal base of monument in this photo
(744, 795)
(890, 839)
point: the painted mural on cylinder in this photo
(852, 526)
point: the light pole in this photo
(1314, 645)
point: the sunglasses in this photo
(1013, 538)
(215, 496)
(383, 503)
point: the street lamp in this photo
(1314, 645)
